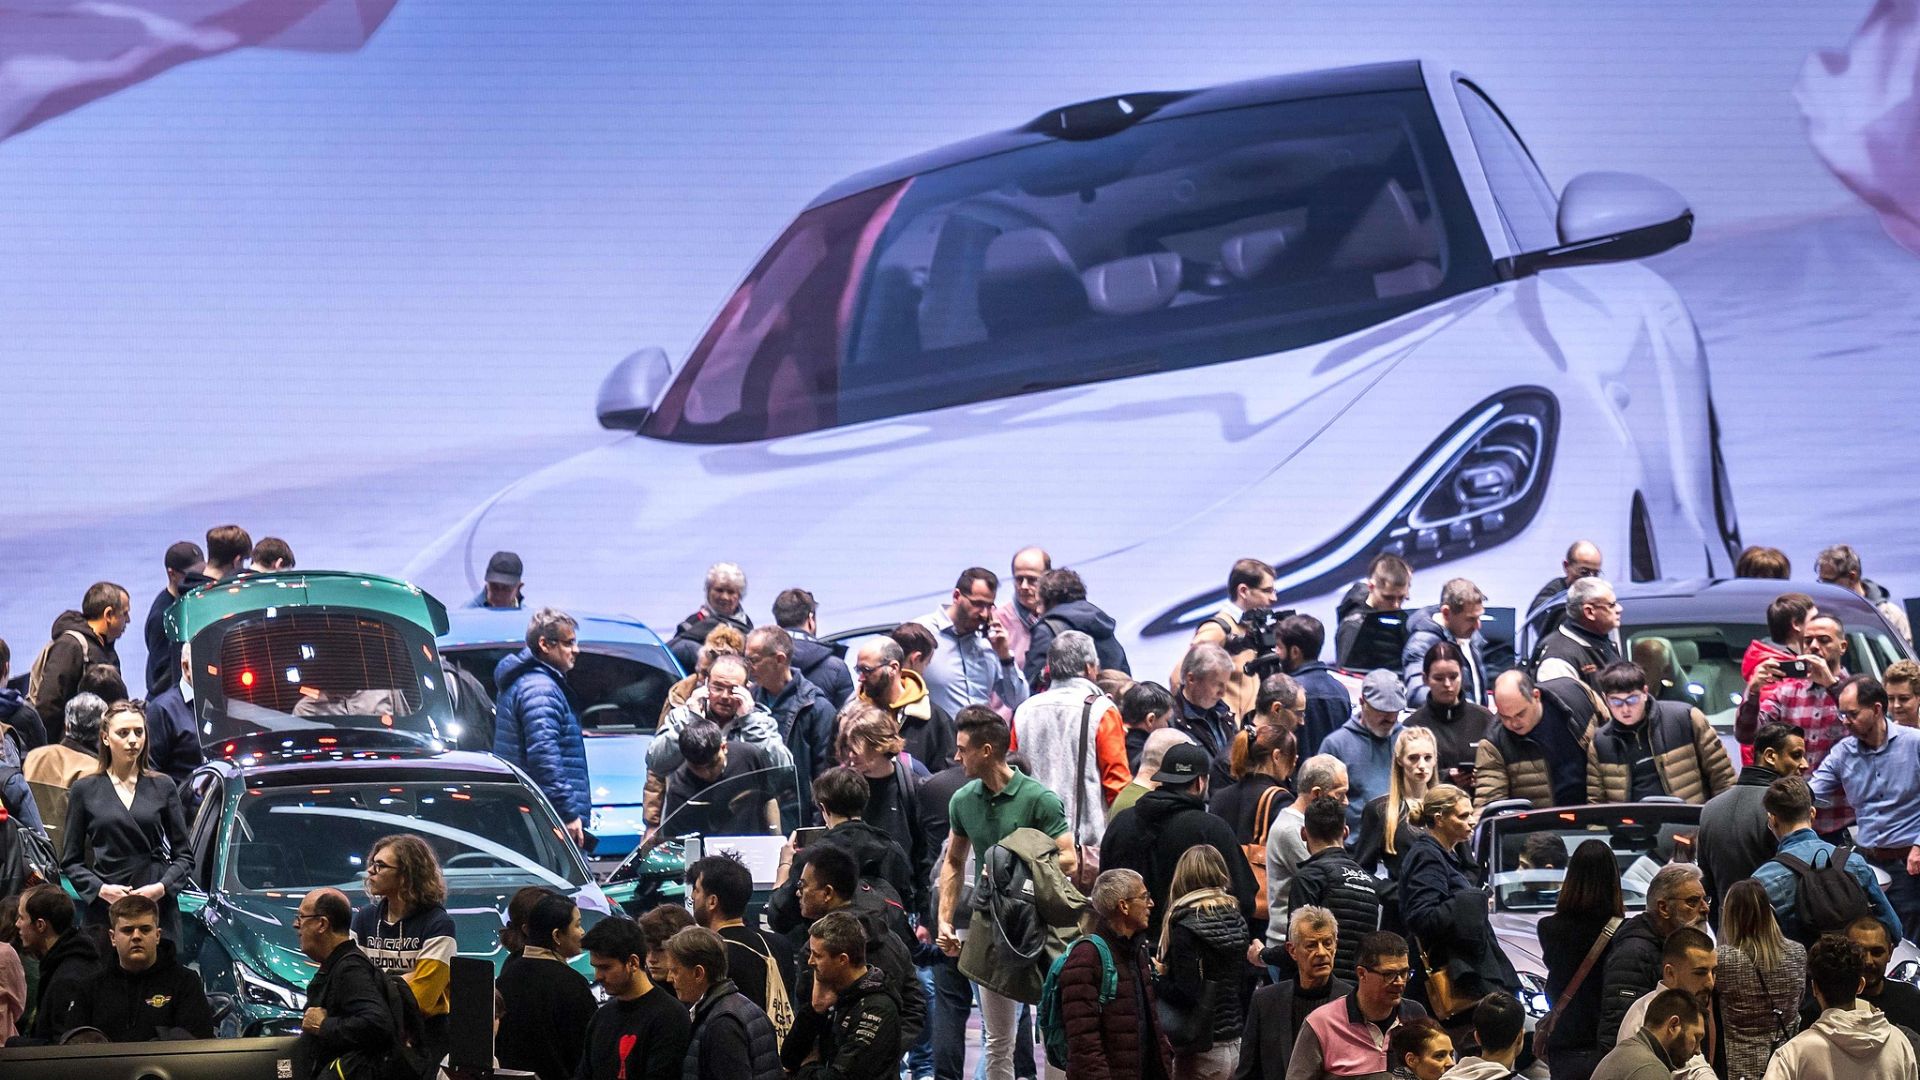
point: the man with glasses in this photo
(883, 678)
(1649, 747)
(346, 999)
(1250, 587)
(1877, 769)
(1579, 647)
(725, 699)
(974, 664)
(1676, 897)
(535, 726)
(1348, 1037)
(1022, 613)
(1582, 561)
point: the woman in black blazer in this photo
(126, 831)
(1589, 900)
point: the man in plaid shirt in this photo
(1808, 702)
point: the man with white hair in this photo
(726, 590)
(1583, 644)
(1151, 754)
(1072, 739)
(1322, 774)
(1278, 1012)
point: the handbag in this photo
(1444, 997)
(1543, 1031)
(1257, 851)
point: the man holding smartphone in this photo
(1800, 691)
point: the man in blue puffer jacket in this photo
(535, 725)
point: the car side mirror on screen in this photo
(628, 393)
(1610, 217)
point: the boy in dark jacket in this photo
(146, 994)
(346, 999)
(862, 1039)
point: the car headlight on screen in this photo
(1533, 995)
(1906, 971)
(1478, 485)
(257, 989)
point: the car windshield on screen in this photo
(1172, 244)
(1531, 850)
(284, 669)
(614, 694)
(1699, 663)
(487, 835)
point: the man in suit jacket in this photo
(1279, 1011)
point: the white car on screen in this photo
(1306, 318)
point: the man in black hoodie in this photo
(80, 639)
(803, 712)
(347, 998)
(796, 612)
(186, 567)
(841, 797)
(147, 994)
(68, 959)
(1064, 606)
(1150, 836)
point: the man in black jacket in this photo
(80, 639)
(863, 1035)
(1150, 836)
(829, 884)
(1675, 898)
(147, 994)
(186, 567)
(347, 998)
(796, 612)
(1579, 647)
(1734, 839)
(1278, 1012)
(1331, 879)
(800, 708)
(732, 1038)
(68, 958)
(842, 797)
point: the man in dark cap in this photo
(502, 590)
(1150, 836)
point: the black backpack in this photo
(405, 1059)
(1828, 897)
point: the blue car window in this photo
(1178, 242)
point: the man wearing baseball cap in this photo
(1365, 742)
(1150, 836)
(186, 568)
(502, 590)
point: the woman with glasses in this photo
(1386, 825)
(1585, 915)
(1445, 906)
(125, 830)
(406, 931)
(1758, 983)
(1649, 747)
(1120, 1038)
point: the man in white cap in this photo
(502, 590)
(1365, 742)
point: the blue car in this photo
(620, 684)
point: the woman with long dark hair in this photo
(126, 831)
(1589, 906)
(1457, 723)
(1758, 983)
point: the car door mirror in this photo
(628, 392)
(1610, 217)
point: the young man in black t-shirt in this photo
(643, 1032)
(722, 886)
(721, 788)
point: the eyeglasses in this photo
(1397, 975)
(864, 670)
(1143, 898)
(1856, 714)
(301, 917)
(378, 867)
(1627, 702)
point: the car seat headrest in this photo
(1027, 280)
(1134, 284)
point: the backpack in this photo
(40, 661)
(1053, 1022)
(1827, 897)
(779, 1004)
(404, 1060)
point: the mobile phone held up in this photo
(803, 837)
(1794, 669)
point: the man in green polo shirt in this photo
(995, 801)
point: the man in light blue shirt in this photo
(1789, 807)
(1877, 769)
(974, 664)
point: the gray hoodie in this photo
(1857, 1043)
(1479, 1068)
(756, 726)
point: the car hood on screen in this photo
(902, 504)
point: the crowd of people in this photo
(1257, 869)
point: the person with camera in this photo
(1250, 589)
(1298, 641)
(1803, 690)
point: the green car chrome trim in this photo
(208, 604)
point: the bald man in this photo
(1583, 560)
(346, 1001)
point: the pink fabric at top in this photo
(57, 55)
(1862, 107)
(13, 992)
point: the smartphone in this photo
(803, 837)
(1794, 669)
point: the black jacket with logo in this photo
(166, 1001)
(1333, 880)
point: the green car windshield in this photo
(486, 836)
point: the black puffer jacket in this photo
(1206, 954)
(732, 1039)
(1631, 968)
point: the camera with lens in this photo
(1260, 635)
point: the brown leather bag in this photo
(1257, 851)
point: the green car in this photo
(321, 701)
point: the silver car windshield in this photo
(1531, 850)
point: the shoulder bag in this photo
(1543, 1031)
